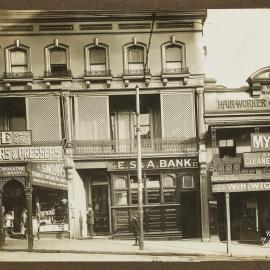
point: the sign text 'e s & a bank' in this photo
(149, 164)
(241, 187)
(31, 153)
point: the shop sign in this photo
(260, 142)
(150, 164)
(10, 171)
(49, 174)
(14, 138)
(241, 187)
(260, 159)
(31, 153)
(243, 104)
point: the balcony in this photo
(174, 71)
(98, 73)
(60, 75)
(231, 169)
(18, 76)
(129, 147)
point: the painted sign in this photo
(260, 142)
(49, 174)
(31, 153)
(241, 187)
(260, 159)
(150, 164)
(244, 104)
(10, 171)
(14, 138)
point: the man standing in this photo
(134, 224)
(90, 220)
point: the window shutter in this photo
(178, 115)
(92, 118)
(43, 118)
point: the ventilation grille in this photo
(55, 27)
(95, 26)
(44, 118)
(174, 25)
(178, 116)
(134, 26)
(16, 28)
(92, 118)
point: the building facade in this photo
(238, 158)
(68, 91)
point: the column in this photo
(228, 219)
(1, 222)
(28, 192)
(203, 167)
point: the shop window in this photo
(121, 191)
(134, 190)
(169, 188)
(12, 114)
(153, 189)
(188, 182)
(227, 148)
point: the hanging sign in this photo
(15, 138)
(260, 142)
(241, 187)
(31, 153)
(150, 164)
(253, 160)
(49, 174)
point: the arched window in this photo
(173, 58)
(97, 60)
(18, 63)
(57, 61)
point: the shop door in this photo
(249, 227)
(100, 206)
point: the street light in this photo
(139, 168)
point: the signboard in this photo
(260, 142)
(253, 160)
(14, 138)
(241, 187)
(31, 153)
(10, 171)
(150, 164)
(48, 174)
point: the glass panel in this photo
(133, 182)
(121, 197)
(135, 55)
(134, 197)
(136, 68)
(97, 67)
(120, 183)
(153, 195)
(153, 181)
(230, 142)
(18, 57)
(112, 127)
(173, 54)
(188, 181)
(169, 181)
(60, 69)
(17, 122)
(17, 69)
(174, 65)
(97, 56)
(124, 125)
(153, 189)
(169, 195)
(222, 143)
(58, 56)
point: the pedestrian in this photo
(9, 216)
(134, 225)
(35, 225)
(4, 227)
(23, 223)
(90, 220)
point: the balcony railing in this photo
(98, 73)
(182, 70)
(234, 166)
(58, 74)
(149, 146)
(17, 75)
(138, 72)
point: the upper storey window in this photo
(57, 64)
(135, 59)
(17, 59)
(174, 59)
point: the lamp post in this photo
(139, 169)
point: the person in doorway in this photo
(134, 225)
(9, 216)
(35, 225)
(23, 223)
(90, 220)
(4, 227)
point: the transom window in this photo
(227, 147)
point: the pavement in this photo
(183, 247)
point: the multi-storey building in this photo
(238, 158)
(69, 82)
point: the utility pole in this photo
(139, 168)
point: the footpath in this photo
(104, 245)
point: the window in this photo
(169, 188)
(153, 189)
(135, 60)
(97, 60)
(188, 182)
(121, 192)
(18, 61)
(12, 114)
(57, 63)
(227, 148)
(145, 126)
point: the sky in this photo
(238, 44)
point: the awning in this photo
(239, 177)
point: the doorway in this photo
(100, 206)
(14, 200)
